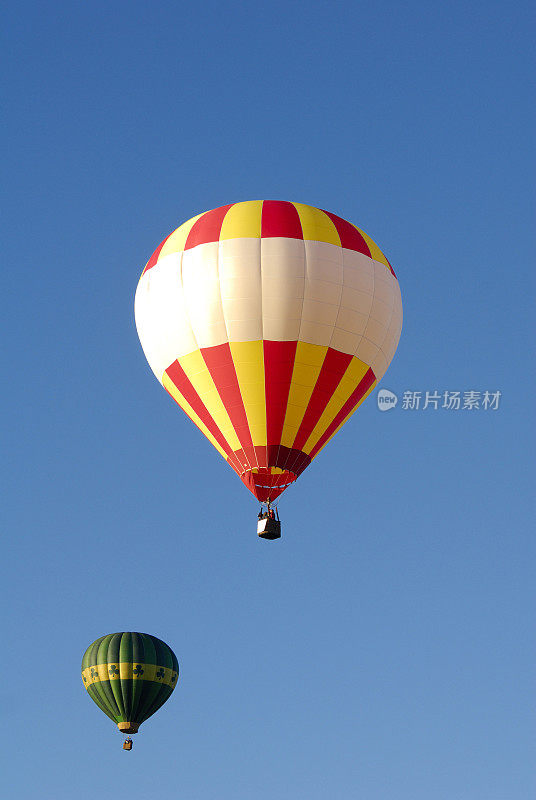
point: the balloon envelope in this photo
(268, 322)
(129, 676)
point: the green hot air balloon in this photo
(129, 676)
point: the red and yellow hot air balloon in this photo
(269, 322)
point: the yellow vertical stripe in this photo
(316, 225)
(243, 220)
(177, 240)
(248, 358)
(355, 371)
(346, 418)
(199, 376)
(187, 408)
(375, 251)
(307, 366)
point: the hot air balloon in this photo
(129, 676)
(269, 323)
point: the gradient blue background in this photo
(382, 648)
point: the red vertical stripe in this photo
(207, 228)
(300, 463)
(350, 236)
(154, 258)
(280, 218)
(364, 385)
(334, 366)
(178, 376)
(278, 365)
(222, 369)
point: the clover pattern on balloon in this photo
(113, 670)
(94, 672)
(138, 671)
(173, 678)
(160, 674)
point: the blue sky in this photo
(381, 648)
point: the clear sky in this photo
(382, 648)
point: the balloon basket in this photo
(269, 528)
